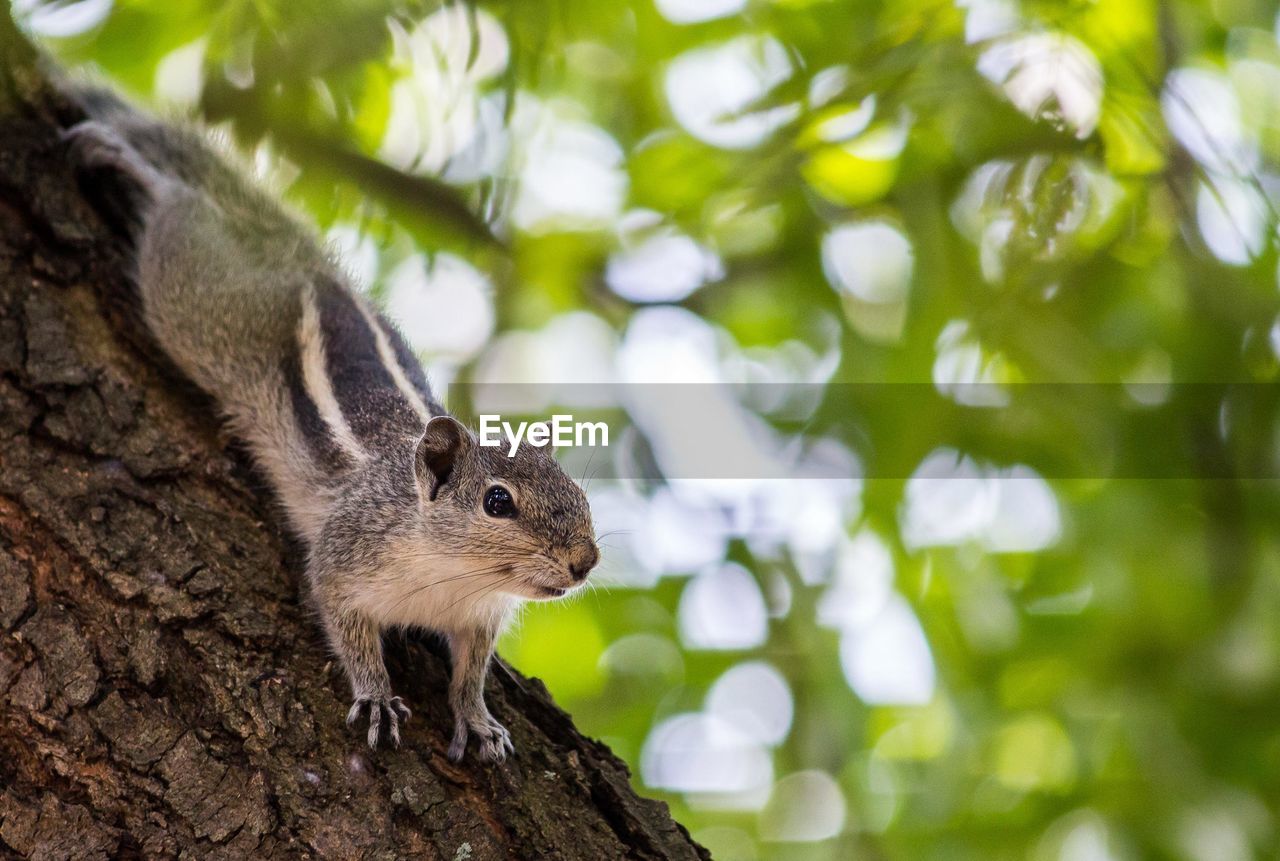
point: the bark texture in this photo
(163, 691)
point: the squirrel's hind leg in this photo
(96, 144)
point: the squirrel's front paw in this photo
(495, 741)
(388, 711)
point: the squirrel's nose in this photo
(581, 567)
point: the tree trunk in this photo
(163, 690)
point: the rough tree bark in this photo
(163, 691)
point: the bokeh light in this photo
(853, 280)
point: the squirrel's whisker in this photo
(418, 590)
(485, 588)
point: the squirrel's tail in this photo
(222, 273)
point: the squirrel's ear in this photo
(443, 442)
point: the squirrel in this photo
(407, 521)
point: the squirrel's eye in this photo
(498, 502)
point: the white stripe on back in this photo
(392, 364)
(315, 376)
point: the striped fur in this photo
(353, 378)
(383, 486)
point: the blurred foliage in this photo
(927, 192)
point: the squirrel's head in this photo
(521, 517)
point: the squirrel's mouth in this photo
(552, 591)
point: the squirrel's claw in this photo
(392, 710)
(495, 741)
